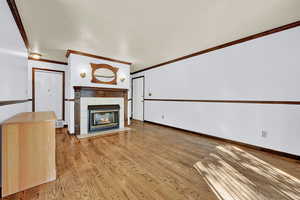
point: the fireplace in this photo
(103, 117)
(88, 96)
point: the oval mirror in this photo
(103, 73)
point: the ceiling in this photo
(144, 32)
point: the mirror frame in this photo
(104, 66)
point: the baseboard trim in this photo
(279, 153)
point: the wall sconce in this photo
(122, 79)
(82, 74)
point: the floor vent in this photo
(59, 124)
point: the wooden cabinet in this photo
(28, 151)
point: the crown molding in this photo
(95, 56)
(48, 61)
(14, 10)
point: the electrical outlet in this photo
(264, 134)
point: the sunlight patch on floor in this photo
(234, 174)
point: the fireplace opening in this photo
(103, 117)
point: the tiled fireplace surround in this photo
(85, 96)
(87, 101)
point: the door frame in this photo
(143, 95)
(63, 88)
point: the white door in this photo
(138, 98)
(48, 90)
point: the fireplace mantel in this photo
(80, 88)
(85, 91)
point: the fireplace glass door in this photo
(103, 117)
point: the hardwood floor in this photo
(148, 162)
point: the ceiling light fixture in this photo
(36, 56)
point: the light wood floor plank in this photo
(148, 162)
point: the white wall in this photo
(13, 65)
(267, 68)
(263, 69)
(78, 64)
